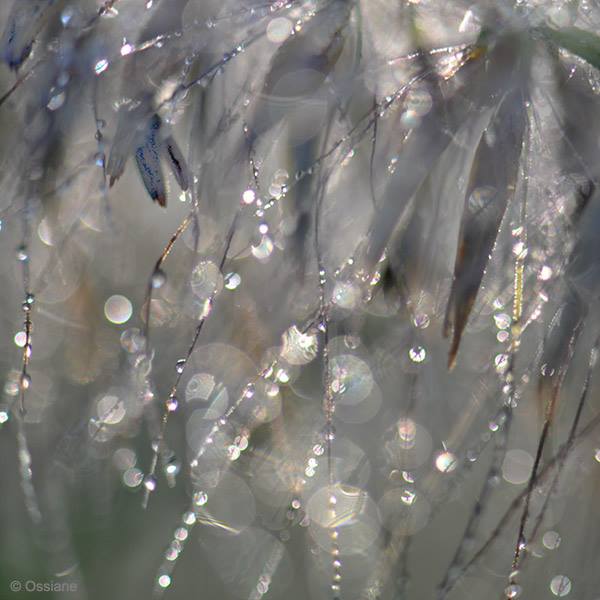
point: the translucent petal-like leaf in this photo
(491, 185)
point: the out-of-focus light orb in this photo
(501, 363)
(407, 445)
(204, 387)
(404, 510)
(206, 280)
(407, 430)
(560, 585)
(347, 511)
(351, 379)
(118, 309)
(111, 409)
(132, 341)
(44, 232)
(502, 321)
(133, 477)
(517, 466)
(231, 507)
(551, 540)
(264, 249)
(445, 462)
(279, 29)
(124, 458)
(346, 295)
(298, 348)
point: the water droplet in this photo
(480, 198)
(126, 49)
(299, 348)
(545, 273)
(25, 381)
(66, 16)
(264, 249)
(249, 196)
(346, 295)
(101, 66)
(501, 363)
(132, 341)
(446, 462)
(150, 483)
(200, 498)
(164, 581)
(133, 477)
(57, 99)
(417, 354)
(206, 280)
(233, 452)
(502, 321)
(421, 321)
(180, 365)
(158, 279)
(329, 432)
(232, 281)
(513, 591)
(22, 254)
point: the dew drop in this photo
(57, 99)
(126, 49)
(21, 339)
(445, 462)
(264, 249)
(248, 197)
(150, 483)
(22, 254)
(417, 354)
(513, 591)
(158, 279)
(232, 281)
(200, 498)
(101, 66)
(25, 381)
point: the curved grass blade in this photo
(580, 42)
(491, 185)
(148, 163)
(24, 22)
(177, 162)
